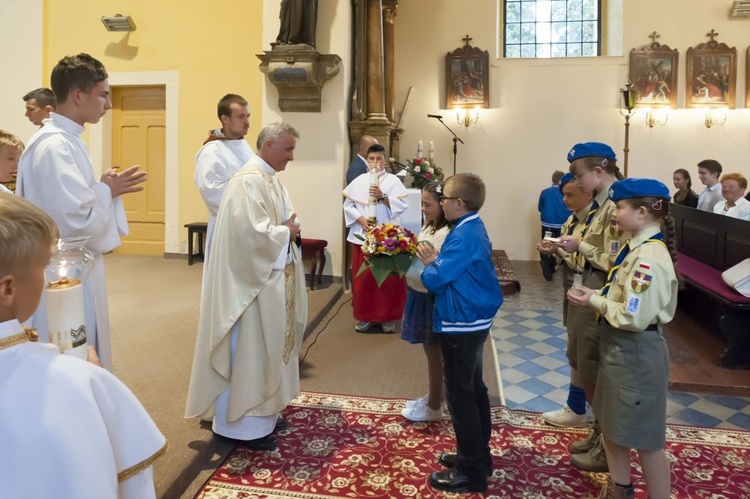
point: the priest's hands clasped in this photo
(124, 182)
(293, 227)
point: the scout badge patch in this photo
(640, 282)
(614, 229)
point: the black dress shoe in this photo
(261, 444)
(454, 481)
(281, 425)
(268, 442)
(447, 459)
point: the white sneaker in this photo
(421, 412)
(388, 327)
(361, 327)
(421, 400)
(565, 418)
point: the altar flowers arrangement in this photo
(428, 170)
(388, 249)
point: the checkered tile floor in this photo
(530, 344)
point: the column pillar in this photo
(375, 68)
(389, 17)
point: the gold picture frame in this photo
(654, 73)
(467, 77)
(711, 74)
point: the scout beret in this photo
(568, 177)
(588, 149)
(638, 188)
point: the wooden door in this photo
(138, 138)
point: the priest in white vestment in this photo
(254, 302)
(224, 152)
(68, 429)
(56, 174)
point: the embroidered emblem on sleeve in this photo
(614, 247)
(640, 282)
(634, 303)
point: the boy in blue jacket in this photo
(467, 297)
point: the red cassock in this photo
(372, 303)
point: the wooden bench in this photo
(200, 229)
(509, 283)
(708, 244)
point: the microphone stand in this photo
(456, 140)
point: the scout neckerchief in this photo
(586, 223)
(656, 238)
(589, 218)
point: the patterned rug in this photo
(339, 446)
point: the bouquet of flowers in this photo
(430, 171)
(388, 249)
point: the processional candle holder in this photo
(69, 267)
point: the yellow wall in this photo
(211, 44)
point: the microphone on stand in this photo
(410, 170)
(435, 116)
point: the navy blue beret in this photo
(588, 149)
(568, 177)
(638, 188)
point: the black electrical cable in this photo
(323, 329)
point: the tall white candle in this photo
(420, 150)
(67, 317)
(372, 206)
(432, 150)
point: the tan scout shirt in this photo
(573, 260)
(644, 290)
(604, 237)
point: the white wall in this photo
(540, 108)
(21, 42)
(315, 178)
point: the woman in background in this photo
(685, 194)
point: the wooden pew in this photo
(707, 244)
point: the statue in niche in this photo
(298, 20)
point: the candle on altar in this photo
(432, 150)
(420, 150)
(66, 317)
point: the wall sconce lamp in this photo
(118, 23)
(627, 109)
(715, 116)
(658, 116)
(467, 117)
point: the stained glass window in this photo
(552, 28)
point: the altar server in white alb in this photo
(68, 429)
(224, 152)
(254, 303)
(56, 174)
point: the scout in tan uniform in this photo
(573, 413)
(639, 295)
(595, 169)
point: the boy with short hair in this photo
(374, 305)
(467, 297)
(709, 171)
(11, 148)
(56, 174)
(69, 418)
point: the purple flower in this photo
(390, 244)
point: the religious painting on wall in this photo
(653, 71)
(467, 77)
(711, 74)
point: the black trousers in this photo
(549, 262)
(468, 402)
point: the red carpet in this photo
(339, 446)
